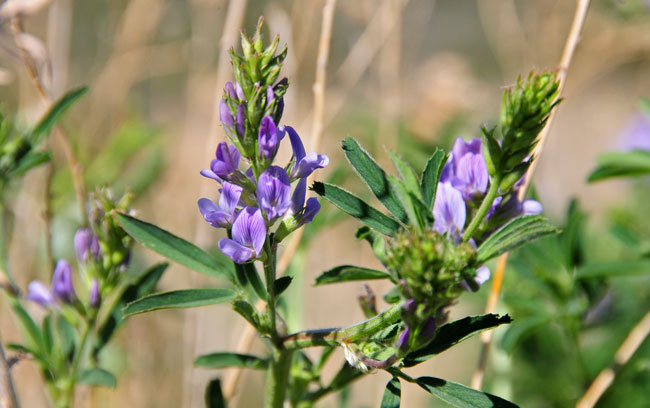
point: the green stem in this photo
(69, 392)
(334, 337)
(269, 276)
(277, 379)
(483, 209)
(3, 246)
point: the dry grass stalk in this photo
(7, 391)
(606, 377)
(495, 290)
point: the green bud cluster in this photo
(256, 70)
(525, 109)
(15, 149)
(115, 244)
(431, 267)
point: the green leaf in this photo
(281, 284)
(225, 360)
(247, 311)
(55, 112)
(254, 279)
(348, 273)
(431, 175)
(97, 376)
(521, 329)
(392, 394)
(29, 351)
(461, 396)
(67, 337)
(514, 234)
(31, 160)
(376, 241)
(373, 175)
(178, 299)
(453, 333)
(136, 287)
(172, 247)
(213, 395)
(31, 332)
(400, 190)
(613, 269)
(407, 174)
(621, 164)
(357, 208)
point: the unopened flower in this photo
(269, 138)
(274, 192)
(86, 244)
(93, 296)
(62, 286)
(221, 215)
(39, 293)
(304, 164)
(225, 163)
(248, 236)
(449, 210)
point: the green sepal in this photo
(431, 176)
(407, 174)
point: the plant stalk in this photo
(483, 209)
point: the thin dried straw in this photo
(7, 391)
(245, 343)
(606, 377)
(495, 290)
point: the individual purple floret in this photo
(241, 120)
(449, 210)
(240, 92)
(93, 296)
(226, 117)
(225, 163)
(62, 286)
(636, 134)
(274, 192)
(466, 169)
(269, 138)
(482, 275)
(230, 91)
(510, 207)
(403, 341)
(304, 164)
(311, 209)
(248, 236)
(39, 293)
(221, 215)
(86, 244)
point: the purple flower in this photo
(241, 120)
(85, 245)
(240, 92)
(62, 286)
(230, 90)
(449, 210)
(311, 209)
(221, 215)
(304, 164)
(248, 236)
(482, 275)
(274, 192)
(226, 117)
(269, 138)
(225, 163)
(39, 293)
(403, 341)
(471, 177)
(93, 296)
(636, 134)
(504, 209)
(466, 169)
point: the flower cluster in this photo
(256, 193)
(102, 252)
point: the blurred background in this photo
(405, 75)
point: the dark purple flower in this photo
(449, 210)
(241, 120)
(248, 236)
(93, 296)
(274, 192)
(39, 293)
(86, 244)
(298, 197)
(311, 209)
(62, 286)
(304, 164)
(269, 138)
(403, 341)
(221, 215)
(225, 163)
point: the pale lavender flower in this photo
(86, 244)
(248, 236)
(471, 177)
(221, 215)
(226, 117)
(39, 293)
(636, 133)
(449, 210)
(94, 296)
(240, 92)
(62, 286)
(304, 164)
(458, 151)
(274, 192)
(482, 275)
(225, 163)
(269, 138)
